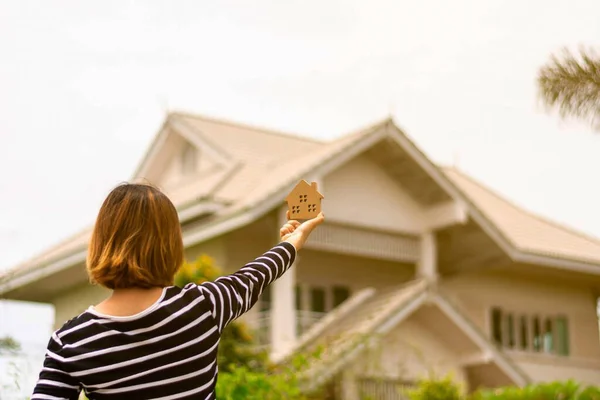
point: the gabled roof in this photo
(306, 186)
(261, 166)
(345, 333)
(527, 232)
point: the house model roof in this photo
(261, 166)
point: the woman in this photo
(150, 339)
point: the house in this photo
(417, 268)
(304, 201)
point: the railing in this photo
(261, 324)
(383, 389)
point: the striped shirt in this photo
(168, 351)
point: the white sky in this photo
(84, 87)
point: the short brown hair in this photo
(136, 241)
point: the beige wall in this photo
(478, 293)
(322, 269)
(546, 368)
(75, 301)
(361, 193)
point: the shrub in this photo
(436, 389)
(567, 390)
(243, 383)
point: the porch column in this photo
(348, 386)
(427, 265)
(283, 307)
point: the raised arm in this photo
(233, 295)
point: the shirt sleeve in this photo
(54, 382)
(233, 295)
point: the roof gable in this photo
(303, 187)
(174, 136)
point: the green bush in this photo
(447, 389)
(243, 383)
(590, 393)
(436, 389)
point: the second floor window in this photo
(532, 333)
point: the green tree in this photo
(570, 84)
(9, 345)
(237, 348)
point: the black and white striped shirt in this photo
(168, 351)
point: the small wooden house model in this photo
(304, 201)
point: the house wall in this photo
(544, 369)
(76, 300)
(317, 268)
(361, 193)
(477, 293)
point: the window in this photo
(189, 159)
(497, 326)
(524, 333)
(548, 337)
(317, 300)
(298, 291)
(340, 294)
(562, 336)
(537, 335)
(548, 334)
(510, 326)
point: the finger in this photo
(288, 228)
(287, 214)
(294, 223)
(285, 229)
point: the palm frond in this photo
(571, 84)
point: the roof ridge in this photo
(514, 204)
(255, 128)
(365, 129)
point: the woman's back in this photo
(168, 350)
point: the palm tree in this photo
(570, 83)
